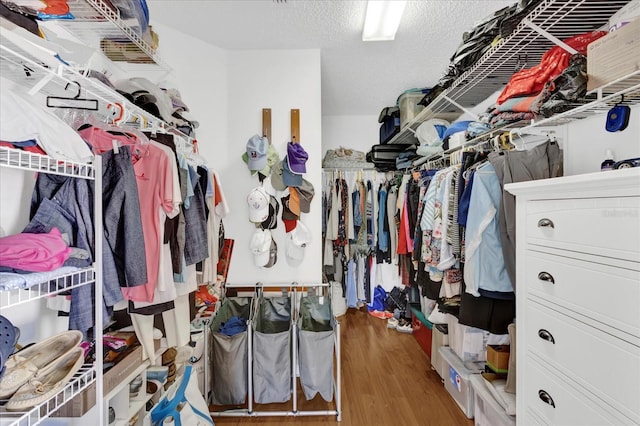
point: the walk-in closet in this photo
(358, 212)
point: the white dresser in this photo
(578, 299)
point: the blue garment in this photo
(234, 325)
(196, 248)
(485, 267)
(383, 236)
(357, 214)
(379, 297)
(463, 205)
(351, 293)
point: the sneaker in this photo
(47, 382)
(404, 326)
(392, 323)
(23, 365)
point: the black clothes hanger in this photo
(75, 102)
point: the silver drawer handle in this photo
(545, 223)
(545, 335)
(546, 398)
(545, 276)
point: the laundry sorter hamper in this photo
(271, 349)
(229, 354)
(316, 338)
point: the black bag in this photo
(390, 123)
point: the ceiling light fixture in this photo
(382, 19)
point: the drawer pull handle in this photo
(546, 398)
(545, 335)
(545, 223)
(545, 276)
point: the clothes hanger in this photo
(75, 102)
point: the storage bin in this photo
(316, 330)
(469, 343)
(409, 108)
(229, 363)
(272, 350)
(422, 330)
(457, 380)
(486, 410)
(439, 338)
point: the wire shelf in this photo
(100, 26)
(80, 381)
(559, 18)
(47, 288)
(25, 160)
(48, 75)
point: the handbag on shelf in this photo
(182, 405)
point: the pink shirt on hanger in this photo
(155, 192)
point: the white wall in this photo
(226, 91)
(588, 141)
(358, 132)
(280, 80)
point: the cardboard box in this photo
(614, 56)
(84, 401)
(498, 357)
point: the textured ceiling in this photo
(358, 78)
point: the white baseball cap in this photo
(258, 201)
(295, 244)
(261, 246)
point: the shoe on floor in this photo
(404, 326)
(392, 323)
(24, 364)
(47, 382)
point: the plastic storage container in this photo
(422, 330)
(486, 410)
(440, 338)
(457, 380)
(409, 108)
(469, 343)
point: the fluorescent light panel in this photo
(382, 19)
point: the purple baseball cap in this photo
(297, 158)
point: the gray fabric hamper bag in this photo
(272, 350)
(229, 360)
(315, 346)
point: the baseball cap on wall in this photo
(295, 243)
(272, 219)
(287, 214)
(258, 201)
(305, 195)
(260, 246)
(289, 178)
(272, 160)
(297, 158)
(276, 177)
(257, 148)
(273, 254)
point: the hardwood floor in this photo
(386, 380)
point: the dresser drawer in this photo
(605, 365)
(556, 402)
(587, 225)
(561, 280)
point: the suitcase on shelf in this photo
(390, 123)
(384, 156)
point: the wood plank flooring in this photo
(386, 380)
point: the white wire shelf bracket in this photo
(35, 416)
(48, 288)
(552, 19)
(96, 21)
(25, 160)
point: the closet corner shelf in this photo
(25, 160)
(50, 287)
(96, 21)
(558, 18)
(80, 381)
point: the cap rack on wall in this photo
(266, 123)
(295, 125)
